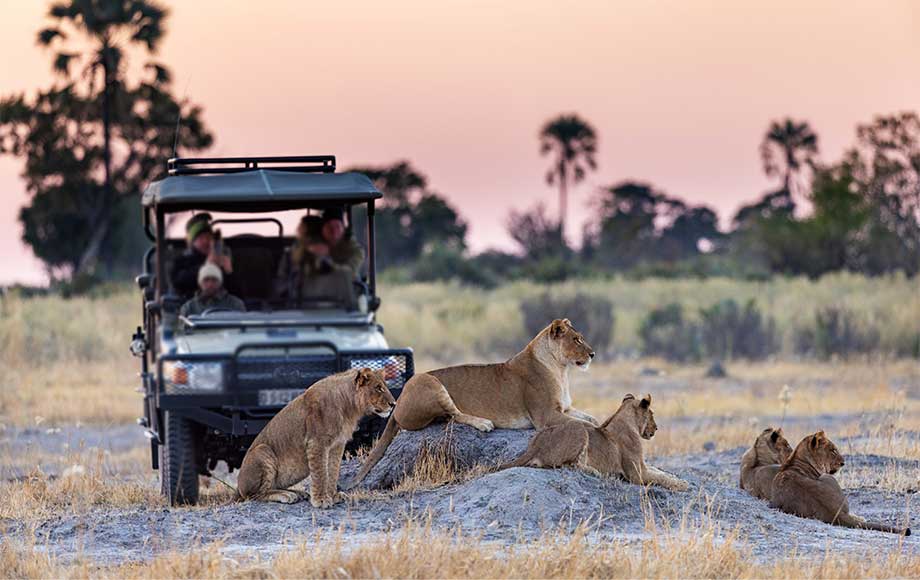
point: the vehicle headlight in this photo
(184, 376)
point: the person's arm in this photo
(355, 256)
(351, 257)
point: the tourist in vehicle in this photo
(337, 247)
(204, 246)
(324, 260)
(211, 293)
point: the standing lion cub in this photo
(761, 463)
(613, 448)
(308, 437)
(805, 486)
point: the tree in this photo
(411, 219)
(572, 143)
(107, 27)
(787, 148)
(885, 164)
(537, 236)
(635, 223)
(89, 150)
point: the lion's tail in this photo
(389, 433)
(236, 493)
(851, 521)
(521, 461)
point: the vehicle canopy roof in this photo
(240, 184)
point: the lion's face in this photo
(825, 453)
(642, 414)
(373, 393)
(772, 447)
(570, 345)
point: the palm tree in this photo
(573, 143)
(786, 149)
(108, 27)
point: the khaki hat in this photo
(210, 270)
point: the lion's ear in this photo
(559, 327)
(628, 397)
(364, 377)
(645, 402)
(775, 436)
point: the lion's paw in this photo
(484, 425)
(321, 502)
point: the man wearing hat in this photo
(324, 260)
(336, 248)
(201, 249)
(211, 293)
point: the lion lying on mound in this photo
(761, 463)
(805, 486)
(308, 437)
(613, 448)
(529, 390)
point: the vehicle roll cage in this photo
(220, 165)
(178, 167)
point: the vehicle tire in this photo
(178, 460)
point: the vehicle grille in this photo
(256, 371)
(278, 372)
(398, 367)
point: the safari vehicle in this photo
(212, 381)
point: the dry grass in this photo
(66, 361)
(88, 480)
(416, 551)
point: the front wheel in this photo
(178, 460)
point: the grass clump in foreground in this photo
(417, 551)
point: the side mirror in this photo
(143, 281)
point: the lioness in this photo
(760, 463)
(531, 389)
(308, 437)
(613, 448)
(806, 487)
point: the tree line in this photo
(93, 140)
(859, 213)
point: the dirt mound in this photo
(459, 447)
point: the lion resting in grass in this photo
(761, 463)
(529, 390)
(308, 437)
(613, 448)
(805, 486)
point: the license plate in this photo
(276, 397)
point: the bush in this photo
(665, 332)
(591, 315)
(836, 331)
(445, 263)
(729, 331)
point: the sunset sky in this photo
(680, 92)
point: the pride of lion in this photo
(530, 390)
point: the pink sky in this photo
(680, 91)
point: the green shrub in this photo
(445, 263)
(591, 315)
(729, 331)
(836, 331)
(666, 333)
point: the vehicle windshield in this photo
(223, 264)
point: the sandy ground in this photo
(500, 506)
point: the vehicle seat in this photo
(254, 270)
